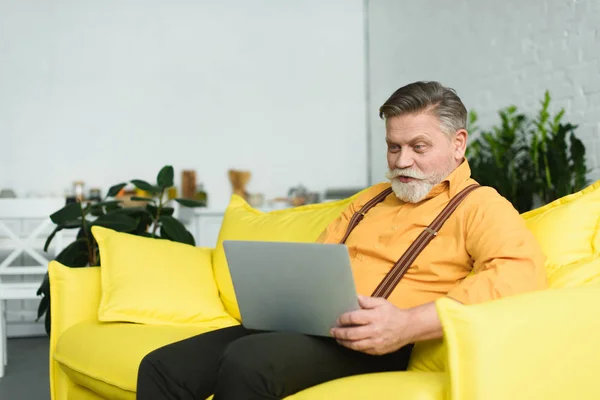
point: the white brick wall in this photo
(494, 53)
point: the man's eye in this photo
(392, 147)
(419, 147)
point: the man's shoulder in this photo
(487, 198)
(485, 192)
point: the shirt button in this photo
(378, 246)
(361, 257)
(394, 227)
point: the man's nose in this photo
(404, 160)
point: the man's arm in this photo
(425, 323)
(507, 259)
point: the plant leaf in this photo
(165, 177)
(67, 225)
(104, 207)
(42, 307)
(114, 190)
(175, 230)
(47, 320)
(74, 255)
(167, 211)
(47, 244)
(109, 208)
(96, 211)
(190, 203)
(117, 221)
(67, 213)
(132, 211)
(153, 210)
(44, 286)
(145, 186)
(107, 203)
(138, 198)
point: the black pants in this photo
(237, 364)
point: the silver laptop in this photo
(298, 287)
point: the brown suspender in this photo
(358, 216)
(392, 278)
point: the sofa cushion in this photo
(428, 356)
(384, 385)
(156, 281)
(242, 222)
(104, 357)
(520, 347)
(579, 273)
(82, 393)
(568, 228)
(92, 355)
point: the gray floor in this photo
(26, 375)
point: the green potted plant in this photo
(154, 220)
(530, 161)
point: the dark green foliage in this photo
(154, 220)
(529, 161)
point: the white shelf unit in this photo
(24, 226)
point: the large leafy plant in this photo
(530, 161)
(154, 219)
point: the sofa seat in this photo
(413, 385)
(104, 357)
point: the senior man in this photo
(477, 249)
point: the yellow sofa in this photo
(541, 345)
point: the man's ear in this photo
(460, 143)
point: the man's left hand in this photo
(377, 328)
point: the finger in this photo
(364, 346)
(354, 333)
(366, 302)
(358, 317)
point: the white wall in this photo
(106, 91)
(494, 53)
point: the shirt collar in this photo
(453, 182)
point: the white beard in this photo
(417, 190)
(411, 192)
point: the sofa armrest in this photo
(540, 345)
(74, 297)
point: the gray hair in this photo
(430, 97)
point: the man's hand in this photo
(379, 327)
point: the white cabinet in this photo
(203, 223)
(206, 229)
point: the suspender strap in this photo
(388, 284)
(360, 214)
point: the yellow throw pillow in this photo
(242, 222)
(156, 281)
(428, 356)
(580, 273)
(540, 345)
(567, 229)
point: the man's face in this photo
(420, 155)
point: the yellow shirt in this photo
(484, 251)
